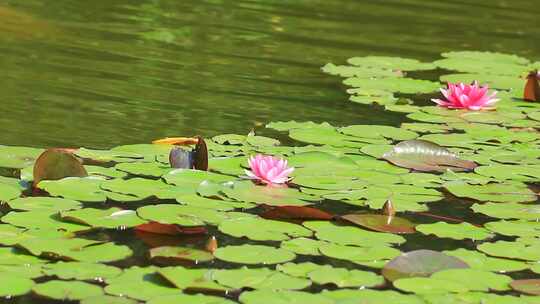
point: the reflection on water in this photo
(108, 72)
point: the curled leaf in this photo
(531, 91)
(422, 155)
(55, 164)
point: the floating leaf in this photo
(394, 85)
(18, 157)
(374, 131)
(247, 192)
(495, 192)
(12, 286)
(342, 277)
(515, 228)
(170, 253)
(420, 263)
(186, 216)
(391, 63)
(81, 271)
(258, 278)
(191, 299)
(422, 155)
(296, 212)
(529, 212)
(41, 219)
(107, 299)
(372, 255)
(282, 297)
(455, 231)
(347, 235)
(259, 229)
(169, 229)
(112, 218)
(55, 164)
(253, 254)
(512, 250)
(475, 279)
(67, 290)
(530, 286)
(480, 261)
(382, 223)
(140, 283)
(303, 246)
(8, 192)
(429, 285)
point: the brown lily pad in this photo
(420, 263)
(296, 212)
(531, 286)
(55, 164)
(381, 222)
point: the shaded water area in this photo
(109, 72)
(105, 73)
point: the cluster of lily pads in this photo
(442, 209)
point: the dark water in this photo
(102, 73)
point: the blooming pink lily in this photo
(268, 169)
(466, 96)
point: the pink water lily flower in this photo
(268, 169)
(466, 96)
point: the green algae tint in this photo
(465, 228)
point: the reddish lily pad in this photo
(55, 164)
(381, 222)
(169, 229)
(296, 212)
(420, 263)
(530, 286)
(422, 155)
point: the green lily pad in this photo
(187, 216)
(259, 229)
(41, 219)
(480, 261)
(330, 136)
(140, 283)
(191, 179)
(512, 250)
(107, 299)
(369, 296)
(112, 218)
(76, 249)
(429, 285)
(81, 271)
(67, 290)
(524, 173)
(248, 192)
(475, 279)
(420, 263)
(258, 278)
(8, 192)
(18, 157)
(181, 253)
(12, 286)
(192, 299)
(378, 254)
(28, 271)
(300, 270)
(282, 297)
(141, 188)
(529, 212)
(496, 192)
(144, 169)
(303, 246)
(253, 254)
(82, 189)
(197, 279)
(149, 152)
(390, 63)
(342, 277)
(216, 204)
(359, 71)
(347, 235)
(395, 85)
(455, 231)
(51, 204)
(108, 155)
(16, 257)
(374, 131)
(530, 286)
(515, 228)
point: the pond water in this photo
(117, 74)
(109, 72)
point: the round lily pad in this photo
(274, 196)
(475, 279)
(81, 271)
(303, 246)
(253, 254)
(282, 297)
(429, 285)
(8, 192)
(187, 216)
(360, 255)
(258, 278)
(181, 253)
(107, 299)
(347, 235)
(259, 229)
(515, 228)
(112, 218)
(480, 261)
(420, 263)
(375, 131)
(82, 189)
(455, 231)
(530, 286)
(51, 204)
(194, 279)
(370, 296)
(390, 63)
(11, 286)
(18, 157)
(512, 250)
(530, 212)
(67, 290)
(55, 164)
(192, 299)
(41, 219)
(498, 192)
(342, 277)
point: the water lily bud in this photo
(180, 158)
(388, 208)
(211, 244)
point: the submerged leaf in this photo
(423, 155)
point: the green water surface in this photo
(102, 73)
